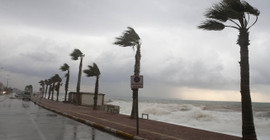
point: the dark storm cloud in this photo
(37, 36)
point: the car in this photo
(26, 96)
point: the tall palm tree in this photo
(58, 80)
(50, 87)
(46, 83)
(42, 83)
(75, 55)
(54, 81)
(65, 67)
(90, 72)
(131, 39)
(238, 14)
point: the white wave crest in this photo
(227, 121)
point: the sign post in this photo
(136, 82)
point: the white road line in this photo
(42, 136)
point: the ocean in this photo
(222, 117)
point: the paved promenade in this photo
(125, 127)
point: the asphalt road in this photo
(23, 120)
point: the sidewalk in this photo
(125, 127)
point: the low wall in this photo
(86, 98)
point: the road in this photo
(23, 120)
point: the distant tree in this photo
(75, 55)
(131, 39)
(46, 88)
(50, 87)
(53, 80)
(90, 72)
(58, 80)
(42, 83)
(65, 67)
(29, 88)
(238, 14)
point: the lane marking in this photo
(42, 136)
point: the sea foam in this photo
(222, 117)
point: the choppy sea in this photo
(222, 117)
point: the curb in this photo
(95, 125)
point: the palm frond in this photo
(235, 11)
(76, 54)
(129, 38)
(65, 67)
(41, 83)
(92, 70)
(250, 9)
(217, 12)
(212, 25)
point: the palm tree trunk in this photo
(96, 93)
(46, 91)
(58, 89)
(50, 89)
(248, 128)
(79, 80)
(135, 91)
(42, 91)
(66, 86)
(53, 87)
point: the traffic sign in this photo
(136, 81)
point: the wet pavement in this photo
(23, 120)
(122, 125)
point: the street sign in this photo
(136, 81)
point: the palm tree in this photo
(53, 80)
(131, 39)
(58, 80)
(50, 87)
(75, 55)
(46, 83)
(42, 83)
(65, 67)
(90, 72)
(238, 14)
(29, 88)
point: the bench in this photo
(112, 108)
(146, 115)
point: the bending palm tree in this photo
(58, 80)
(53, 80)
(131, 39)
(65, 67)
(50, 87)
(46, 83)
(90, 72)
(42, 83)
(75, 55)
(238, 14)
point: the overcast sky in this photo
(178, 59)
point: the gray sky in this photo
(178, 59)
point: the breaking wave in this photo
(223, 117)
